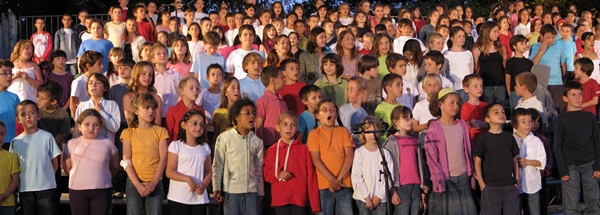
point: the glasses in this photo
(253, 113)
(408, 119)
(194, 123)
(6, 74)
(330, 110)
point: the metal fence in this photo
(53, 23)
(8, 35)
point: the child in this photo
(180, 60)
(165, 79)
(472, 109)
(118, 91)
(460, 60)
(114, 56)
(189, 166)
(311, 96)
(199, 14)
(251, 85)
(310, 59)
(505, 34)
(332, 159)
(523, 27)
(297, 175)
(532, 160)
(234, 65)
(90, 161)
(233, 32)
(332, 86)
(574, 149)
(525, 87)
(9, 103)
(432, 62)
(367, 44)
(569, 48)
(194, 38)
(144, 26)
(97, 89)
(90, 62)
(432, 83)
(265, 19)
(42, 42)
(96, 43)
(270, 105)
(448, 150)
(392, 85)
(247, 161)
(368, 68)
(414, 55)
(515, 66)
(428, 29)
(10, 176)
(188, 91)
(86, 34)
(289, 23)
(405, 28)
(489, 56)
(37, 149)
(352, 113)
(382, 47)
(203, 60)
(230, 92)
(54, 119)
(496, 164)
(145, 153)
(435, 43)
(292, 86)
(115, 29)
(583, 69)
(145, 51)
(26, 75)
(396, 64)
(406, 156)
(210, 98)
(66, 39)
(345, 16)
(142, 81)
(80, 27)
(58, 74)
(369, 188)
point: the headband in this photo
(444, 92)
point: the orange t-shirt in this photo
(331, 144)
(144, 149)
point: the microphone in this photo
(358, 128)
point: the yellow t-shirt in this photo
(9, 165)
(331, 151)
(221, 117)
(144, 149)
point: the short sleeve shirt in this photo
(35, 152)
(91, 163)
(144, 149)
(331, 151)
(497, 152)
(9, 165)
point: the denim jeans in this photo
(7, 210)
(571, 190)
(410, 197)
(339, 203)
(531, 203)
(362, 209)
(238, 204)
(38, 202)
(514, 100)
(495, 94)
(135, 201)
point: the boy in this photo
(405, 28)
(209, 56)
(469, 38)
(251, 85)
(188, 17)
(231, 161)
(532, 160)
(396, 63)
(38, 152)
(233, 32)
(515, 66)
(8, 102)
(313, 21)
(144, 27)
(392, 84)
(496, 165)
(9, 177)
(352, 113)
(270, 105)
(289, 26)
(213, 16)
(54, 119)
(96, 43)
(115, 29)
(81, 27)
(367, 43)
(368, 68)
(551, 54)
(569, 47)
(576, 152)
(199, 14)
(279, 26)
(300, 28)
(265, 18)
(432, 63)
(210, 98)
(525, 86)
(119, 90)
(583, 69)
(90, 62)
(472, 109)
(330, 36)
(234, 61)
(311, 96)
(389, 26)
(66, 39)
(42, 42)
(165, 79)
(292, 86)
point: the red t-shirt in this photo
(469, 112)
(590, 90)
(419, 24)
(291, 96)
(505, 40)
(145, 29)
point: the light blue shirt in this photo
(35, 152)
(8, 110)
(103, 46)
(200, 66)
(252, 89)
(553, 58)
(306, 123)
(570, 50)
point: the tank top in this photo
(491, 68)
(21, 87)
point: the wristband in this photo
(125, 163)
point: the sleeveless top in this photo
(21, 87)
(491, 68)
(596, 73)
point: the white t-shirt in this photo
(409, 91)
(209, 102)
(421, 112)
(259, 31)
(365, 176)
(115, 33)
(79, 88)
(521, 29)
(346, 21)
(445, 84)
(461, 64)
(234, 62)
(199, 16)
(231, 34)
(190, 162)
(400, 41)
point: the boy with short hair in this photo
(270, 105)
(279, 26)
(66, 39)
(8, 102)
(42, 42)
(472, 109)
(115, 29)
(188, 17)
(9, 177)
(515, 66)
(313, 21)
(352, 113)
(583, 69)
(233, 32)
(54, 119)
(367, 43)
(311, 96)
(577, 153)
(86, 34)
(368, 68)
(251, 85)
(392, 84)
(265, 18)
(396, 63)
(469, 37)
(290, 21)
(119, 90)
(330, 35)
(432, 63)
(551, 53)
(209, 56)
(496, 165)
(292, 86)
(525, 86)
(569, 47)
(405, 28)
(144, 27)
(300, 28)
(38, 152)
(81, 27)
(234, 61)
(210, 98)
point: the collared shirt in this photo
(166, 87)
(111, 116)
(252, 89)
(269, 107)
(337, 92)
(531, 148)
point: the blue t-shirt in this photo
(570, 50)
(200, 66)
(252, 89)
(103, 46)
(8, 110)
(306, 123)
(553, 58)
(35, 152)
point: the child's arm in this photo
(158, 118)
(111, 116)
(334, 183)
(516, 171)
(130, 170)
(358, 180)
(207, 176)
(591, 103)
(73, 105)
(54, 164)
(260, 122)
(419, 127)
(218, 168)
(126, 106)
(14, 182)
(173, 174)
(37, 81)
(507, 80)
(563, 171)
(478, 173)
(162, 163)
(349, 152)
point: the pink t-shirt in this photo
(90, 161)
(409, 170)
(269, 107)
(181, 68)
(457, 164)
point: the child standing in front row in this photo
(97, 86)
(448, 150)
(332, 159)
(9, 175)
(311, 96)
(37, 149)
(239, 157)
(144, 157)
(270, 105)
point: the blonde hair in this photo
(432, 38)
(136, 72)
(14, 56)
(252, 56)
(183, 83)
(368, 122)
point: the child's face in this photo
(82, 16)
(327, 114)
(520, 88)
(548, 38)
(321, 40)
(66, 21)
(95, 87)
(253, 68)
(523, 124)
(293, 40)
(146, 77)
(399, 68)
(145, 52)
(230, 22)
(160, 56)
(300, 28)
(431, 85)
(458, 40)
(179, 48)
(372, 73)
(277, 8)
(194, 31)
(444, 32)
(124, 72)
(278, 26)
(384, 45)
(44, 100)
(140, 13)
(245, 120)
(355, 93)
(406, 30)
(271, 33)
(410, 56)
(290, 71)
(250, 12)
(378, 12)
(191, 90)
(173, 25)
(454, 14)
(206, 25)
(145, 114)
(215, 77)
(40, 24)
(151, 7)
(329, 68)
(265, 18)
(328, 28)
(97, 67)
(194, 126)
(578, 72)
(247, 37)
(26, 52)
(367, 43)
(5, 76)
(278, 82)
(213, 17)
(475, 88)
(287, 128)
(360, 18)
(131, 26)
(59, 62)
(116, 13)
(96, 30)
(445, 22)
(521, 47)
(565, 32)
(504, 24)
(89, 127)
(199, 5)
(115, 58)
(28, 116)
(437, 45)
(404, 123)
(189, 18)
(496, 115)
(395, 90)
(431, 67)
(88, 23)
(344, 10)
(467, 28)
(313, 22)
(162, 38)
(313, 100)
(210, 49)
(238, 20)
(233, 91)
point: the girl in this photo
(188, 90)
(230, 93)
(382, 47)
(468, 15)
(345, 48)
(115, 55)
(536, 26)
(298, 174)
(210, 98)
(522, 27)
(180, 60)
(294, 49)
(152, 12)
(163, 23)
(362, 24)
(588, 39)
(195, 45)
(97, 43)
(417, 19)
(491, 55)
(333, 175)
(268, 42)
(58, 74)
(406, 156)
(163, 38)
(166, 80)
(223, 48)
(505, 34)
(459, 59)
(145, 51)
(97, 89)
(189, 166)
(280, 52)
(310, 60)
(299, 10)
(277, 10)
(448, 149)
(133, 40)
(90, 161)
(332, 86)
(144, 156)
(142, 81)
(321, 14)
(537, 127)
(426, 30)
(334, 16)
(414, 54)
(345, 16)
(26, 75)
(369, 188)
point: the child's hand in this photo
(522, 162)
(3, 196)
(566, 178)
(596, 174)
(142, 189)
(334, 185)
(369, 203)
(23, 75)
(98, 107)
(425, 189)
(191, 183)
(151, 185)
(218, 196)
(481, 185)
(284, 175)
(543, 46)
(376, 202)
(200, 188)
(396, 199)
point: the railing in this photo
(8, 35)
(53, 23)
